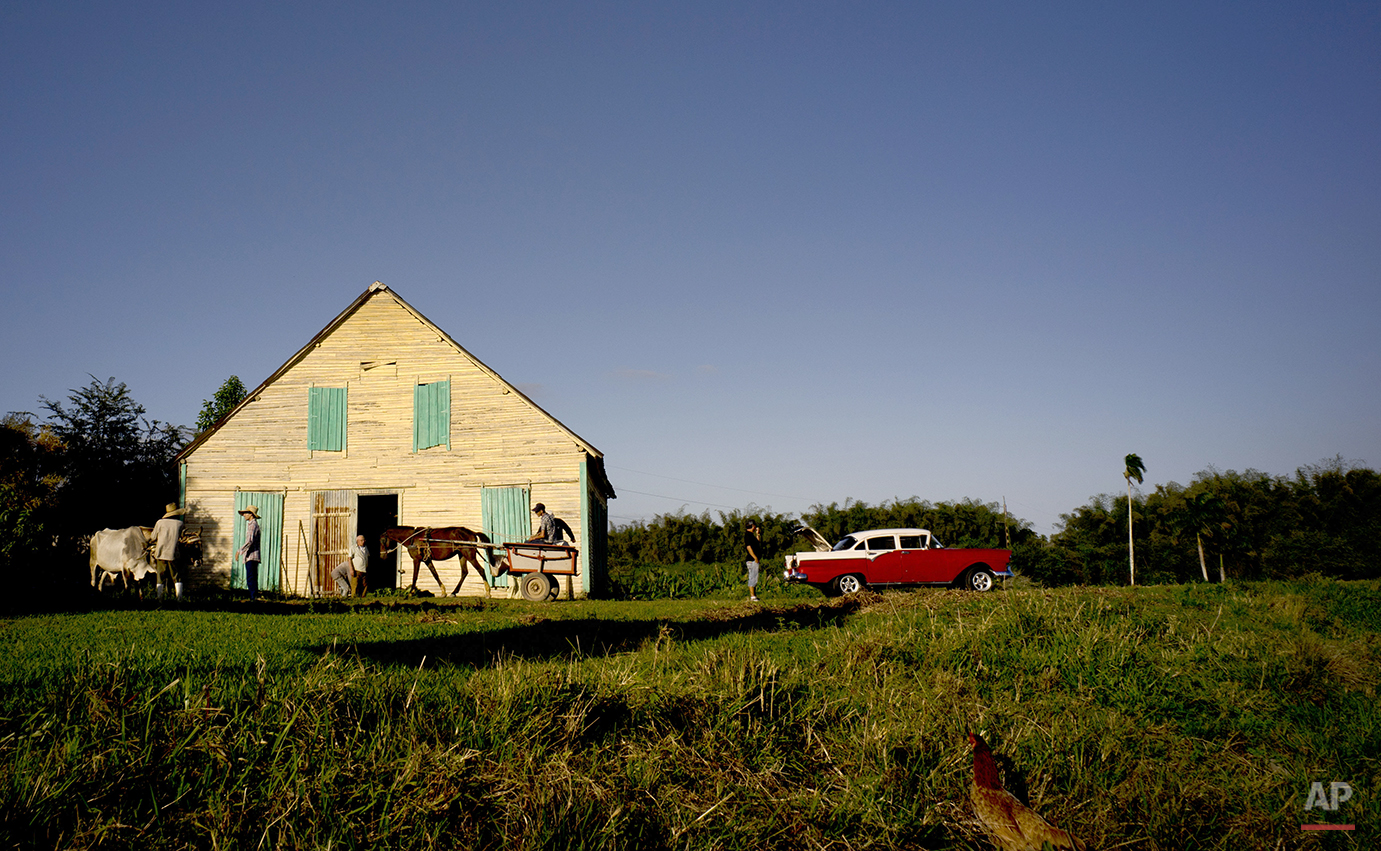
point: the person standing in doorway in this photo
(753, 543)
(249, 550)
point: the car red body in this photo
(882, 558)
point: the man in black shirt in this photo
(753, 544)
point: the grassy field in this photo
(1174, 717)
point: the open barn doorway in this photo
(378, 512)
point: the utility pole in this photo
(1006, 536)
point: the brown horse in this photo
(428, 543)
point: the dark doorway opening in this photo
(378, 512)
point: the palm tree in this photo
(1134, 470)
(1205, 516)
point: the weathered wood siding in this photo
(378, 354)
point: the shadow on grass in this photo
(88, 601)
(597, 637)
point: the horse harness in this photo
(424, 545)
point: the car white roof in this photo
(871, 532)
(823, 546)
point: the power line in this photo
(679, 499)
(704, 484)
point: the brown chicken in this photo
(1012, 825)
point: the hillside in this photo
(1173, 717)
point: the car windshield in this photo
(845, 544)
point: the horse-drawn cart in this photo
(535, 568)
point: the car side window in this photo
(882, 543)
(911, 542)
(861, 545)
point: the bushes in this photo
(678, 538)
(670, 539)
(1326, 519)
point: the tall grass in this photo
(1178, 717)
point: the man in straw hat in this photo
(165, 536)
(249, 550)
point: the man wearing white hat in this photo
(165, 536)
(249, 551)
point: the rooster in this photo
(1012, 825)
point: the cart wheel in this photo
(537, 587)
(555, 588)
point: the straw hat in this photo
(252, 510)
(171, 510)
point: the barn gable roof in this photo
(378, 290)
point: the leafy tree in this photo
(1135, 469)
(28, 480)
(116, 465)
(231, 393)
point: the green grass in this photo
(1174, 717)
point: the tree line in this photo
(94, 457)
(1324, 519)
(682, 537)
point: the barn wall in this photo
(378, 354)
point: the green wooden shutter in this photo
(504, 513)
(270, 539)
(431, 415)
(326, 419)
(594, 533)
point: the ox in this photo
(120, 552)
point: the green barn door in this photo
(594, 534)
(504, 513)
(270, 539)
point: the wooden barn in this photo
(382, 420)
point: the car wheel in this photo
(850, 583)
(980, 579)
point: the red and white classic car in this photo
(889, 558)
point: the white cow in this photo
(120, 552)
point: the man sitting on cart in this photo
(549, 528)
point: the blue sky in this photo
(758, 253)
